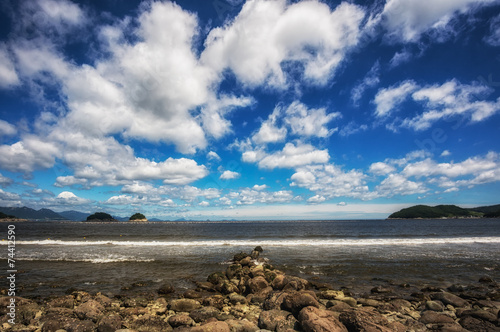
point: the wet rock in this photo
(109, 323)
(91, 309)
(192, 294)
(486, 280)
(448, 298)
(279, 282)
(313, 319)
(257, 271)
(184, 305)
(216, 278)
(234, 270)
(180, 320)
(480, 314)
(204, 313)
(295, 283)
(364, 319)
(369, 302)
(349, 300)
(216, 301)
(274, 319)
(158, 307)
(330, 294)
(212, 327)
(247, 261)
(52, 326)
(257, 284)
(295, 302)
(227, 287)
(274, 300)
(337, 306)
(432, 317)
(166, 289)
(135, 302)
(238, 257)
(237, 298)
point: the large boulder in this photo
(180, 320)
(313, 319)
(202, 314)
(257, 284)
(109, 323)
(364, 319)
(184, 305)
(212, 327)
(449, 298)
(296, 301)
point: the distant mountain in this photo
(31, 214)
(74, 215)
(444, 211)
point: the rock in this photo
(26, 312)
(432, 317)
(349, 300)
(81, 326)
(364, 319)
(274, 319)
(337, 306)
(238, 257)
(227, 287)
(448, 298)
(212, 327)
(192, 294)
(52, 326)
(486, 280)
(216, 278)
(257, 284)
(295, 302)
(381, 290)
(258, 248)
(158, 307)
(295, 283)
(331, 294)
(184, 305)
(255, 254)
(247, 261)
(256, 271)
(166, 289)
(237, 298)
(369, 302)
(234, 270)
(473, 324)
(434, 306)
(313, 319)
(91, 309)
(480, 314)
(204, 313)
(66, 301)
(149, 323)
(241, 325)
(109, 323)
(274, 300)
(180, 320)
(216, 301)
(135, 302)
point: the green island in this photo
(101, 216)
(446, 211)
(138, 217)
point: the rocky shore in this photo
(251, 295)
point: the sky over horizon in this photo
(228, 109)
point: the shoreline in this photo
(251, 295)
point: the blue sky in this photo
(228, 109)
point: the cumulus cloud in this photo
(388, 99)
(397, 184)
(294, 155)
(69, 198)
(267, 34)
(6, 129)
(248, 196)
(304, 121)
(381, 168)
(5, 181)
(229, 175)
(407, 20)
(269, 132)
(211, 155)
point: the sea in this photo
(54, 257)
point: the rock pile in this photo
(251, 295)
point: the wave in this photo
(269, 242)
(97, 260)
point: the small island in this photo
(100, 217)
(138, 217)
(446, 212)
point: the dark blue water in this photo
(55, 256)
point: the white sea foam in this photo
(271, 242)
(96, 260)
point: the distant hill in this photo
(74, 215)
(444, 211)
(31, 214)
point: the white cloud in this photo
(389, 98)
(268, 131)
(399, 58)
(331, 181)
(6, 129)
(260, 187)
(8, 75)
(294, 155)
(211, 155)
(380, 168)
(397, 184)
(8, 196)
(267, 34)
(69, 198)
(248, 196)
(445, 153)
(28, 155)
(407, 20)
(439, 101)
(309, 122)
(316, 199)
(352, 128)
(229, 175)
(370, 80)
(204, 204)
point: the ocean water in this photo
(52, 257)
